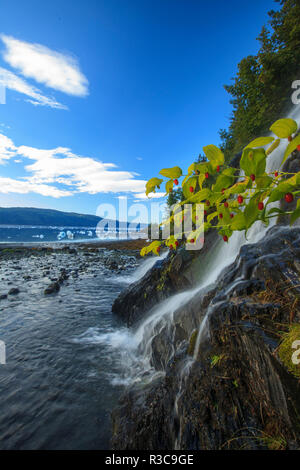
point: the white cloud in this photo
(59, 166)
(9, 185)
(141, 196)
(7, 149)
(11, 81)
(53, 69)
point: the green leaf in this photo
(275, 210)
(263, 181)
(260, 142)
(238, 222)
(169, 186)
(223, 181)
(253, 161)
(152, 184)
(273, 147)
(284, 128)
(276, 195)
(214, 155)
(296, 214)
(251, 211)
(190, 182)
(291, 147)
(172, 173)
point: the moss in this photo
(192, 342)
(215, 360)
(286, 349)
(274, 442)
(163, 277)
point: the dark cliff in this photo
(239, 391)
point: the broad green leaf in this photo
(291, 147)
(214, 155)
(201, 180)
(172, 173)
(253, 161)
(296, 214)
(223, 182)
(260, 142)
(276, 195)
(273, 147)
(251, 211)
(263, 181)
(275, 210)
(191, 182)
(152, 184)
(169, 186)
(284, 128)
(238, 222)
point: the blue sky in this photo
(102, 94)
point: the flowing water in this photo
(64, 371)
(68, 358)
(214, 263)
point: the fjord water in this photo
(60, 382)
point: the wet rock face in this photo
(176, 273)
(236, 394)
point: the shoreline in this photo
(132, 245)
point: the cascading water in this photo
(135, 346)
(214, 263)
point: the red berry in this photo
(289, 197)
(207, 203)
(218, 168)
(191, 189)
(176, 243)
(226, 204)
(221, 216)
(205, 212)
(240, 199)
(260, 206)
(290, 138)
(252, 177)
(232, 215)
(192, 240)
(206, 175)
(176, 182)
(298, 148)
(276, 174)
(225, 238)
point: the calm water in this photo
(62, 377)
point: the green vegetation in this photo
(286, 349)
(192, 343)
(231, 204)
(262, 87)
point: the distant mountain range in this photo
(45, 217)
(49, 218)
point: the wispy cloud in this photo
(50, 169)
(53, 69)
(34, 96)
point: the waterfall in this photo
(213, 264)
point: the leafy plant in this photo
(233, 203)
